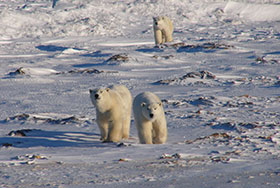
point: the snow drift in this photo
(254, 12)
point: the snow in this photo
(254, 12)
(219, 82)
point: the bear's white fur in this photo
(150, 119)
(163, 29)
(113, 112)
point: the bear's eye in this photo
(101, 91)
(155, 108)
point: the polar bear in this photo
(163, 29)
(149, 119)
(113, 112)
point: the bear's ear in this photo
(143, 104)
(160, 103)
(92, 90)
(107, 89)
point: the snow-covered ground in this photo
(219, 82)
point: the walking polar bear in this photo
(149, 119)
(163, 29)
(113, 112)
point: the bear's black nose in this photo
(151, 115)
(156, 23)
(96, 96)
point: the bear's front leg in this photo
(159, 131)
(167, 36)
(126, 126)
(158, 37)
(103, 127)
(115, 131)
(145, 133)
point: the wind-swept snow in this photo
(218, 80)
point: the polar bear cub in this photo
(113, 112)
(149, 119)
(163, 29)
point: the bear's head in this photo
(151, 111)
(100, 98)
(159, 22)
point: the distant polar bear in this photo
(149, 119)
(113, 112)
(163, 29)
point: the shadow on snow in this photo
(37, 138)
(51, 48)
(54, 48)
(97, 54)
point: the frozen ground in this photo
(219, 82)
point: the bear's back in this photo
(122, 91)
(122, 95)
(169, 23)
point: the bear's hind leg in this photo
(163, 38)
